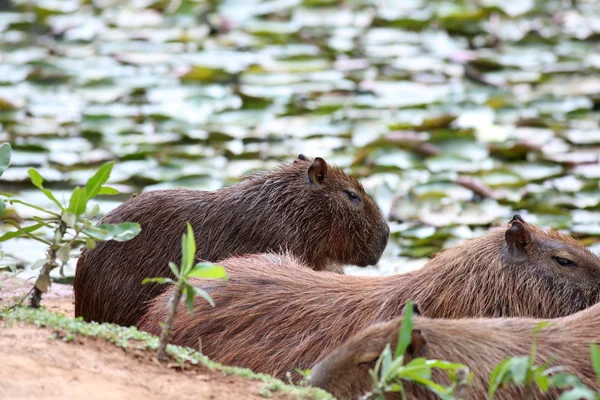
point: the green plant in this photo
(183, 287)
(522, 371)
(390, 371)
(576, 389)
(71, 225)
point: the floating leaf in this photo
(5, 151)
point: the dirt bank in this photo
(35, 366)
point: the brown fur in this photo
(481, 344)
(302, 207)
(273, 315)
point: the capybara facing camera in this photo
(308, 208)
(274, 315)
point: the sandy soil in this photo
(35, 366)
(60, 298)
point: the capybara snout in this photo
(380, 240)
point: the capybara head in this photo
(518, 270)
(562, 262)
(347, 226)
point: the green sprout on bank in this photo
(390, 371)
(71, 225)
(183, 287)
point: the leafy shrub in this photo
(71, 224)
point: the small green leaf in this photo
(518, 369)
(543, 383)
(38, 264)
(43, 283)
(93, 211)
(446, 365)
(188, 246)
(94, 184)
(2, 206)
(387, 360)
(578, 393)
(119, 232)
(20, 231)
(189, 297)
(497, 376)
(596, 360)
(5, 151)
(157, 280)
(405, 336)
(78, 201)
(563, 380)
(69, 218)
(90, 243)
(203, 294)
(174, 268)
(107, 190)
(207, 271)
(37, 181)
(63, 254)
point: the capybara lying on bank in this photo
(481, 344)
(314, 211)
(274, 315)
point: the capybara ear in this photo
(517, 217)
(317, 171)
(417, 345)
(416, 311)
(517, 236)
(301, 157)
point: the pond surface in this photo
(454, 114)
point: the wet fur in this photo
(277, 210)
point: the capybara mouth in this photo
(372, 260)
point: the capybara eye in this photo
(565, 262)
(351, 195)
(370, 364)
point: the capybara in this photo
(310, 209)
(481, 344)
(273, 315)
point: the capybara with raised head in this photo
(481, 344)
(274, 315)
(310, 209)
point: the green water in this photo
(413, 97)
